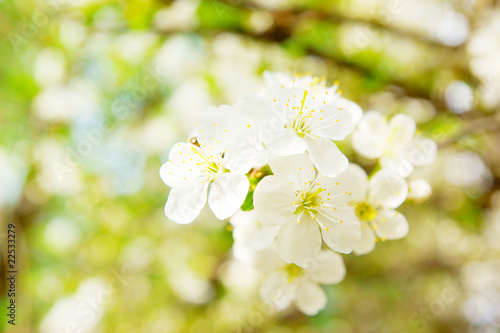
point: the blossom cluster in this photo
(271, 164)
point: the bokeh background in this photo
(93, 93)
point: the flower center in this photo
(365, 211)
(210, 164)
(308, 201)
(300, 123)
(294, 272)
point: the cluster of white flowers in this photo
(271, 165)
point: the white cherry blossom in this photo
(308, 207)
(394, 143)
(222, 150)
(250, 235)
(375, 200)
(302, 114)
(288, 283)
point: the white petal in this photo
(397, 164)
(354, 180)
(421, 151)
(330, 268)
(367, 242)
(388, 189)
(283, 142)
(243, 150)
(243, 219)
(299, 243)
(340, 122)
(310, 298)
(227, 194)
(326, 156)
(278, 291)
(340, 236)
(391, 225)
(402, 129)
(180, 168)
(250, 233)
(186, 201)
(370, 137)
(268, 261)
(273, 201)
(214, 127)
(298, 169)
(419, 190)
(256, 109)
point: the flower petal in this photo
(283, 141)
(214, 126)
(340, 236)
(273, 201)
(354, 180)
(180, 168)
(388, 189)
(326, 156)
(330, 268)
(243, 219)
(367, 242)
(298, 169)
(391, 225)
(227, 194)
(338, 123)
(370, 137)
(268, 261)
(402, 128)
(299, 243)
(310, 298)
(256, 109)
(421, 151)
(278, 291)
(186, 201)
(397, 164)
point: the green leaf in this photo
(248, 204)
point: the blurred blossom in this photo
(158, 134)
(81, 311)
(482, 307)
(72, 33)
(467, 169)
(186, 103)
(420, 109)
(134, 46)
(98, 43)
(250, 235)
(240, 277)
(106, 17)
(61, 235)
(58, 174)
(180, 15)
(276, 4)
(64, 103)
(49, 68)
(190, 287)
(13, 172)
(484, 51)
(122, 162)
(452, 29)
(138, 255)
(448, 234)
(180, 56)
(419, 190)
(260, 21)
(235, 65)
(459, 97)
